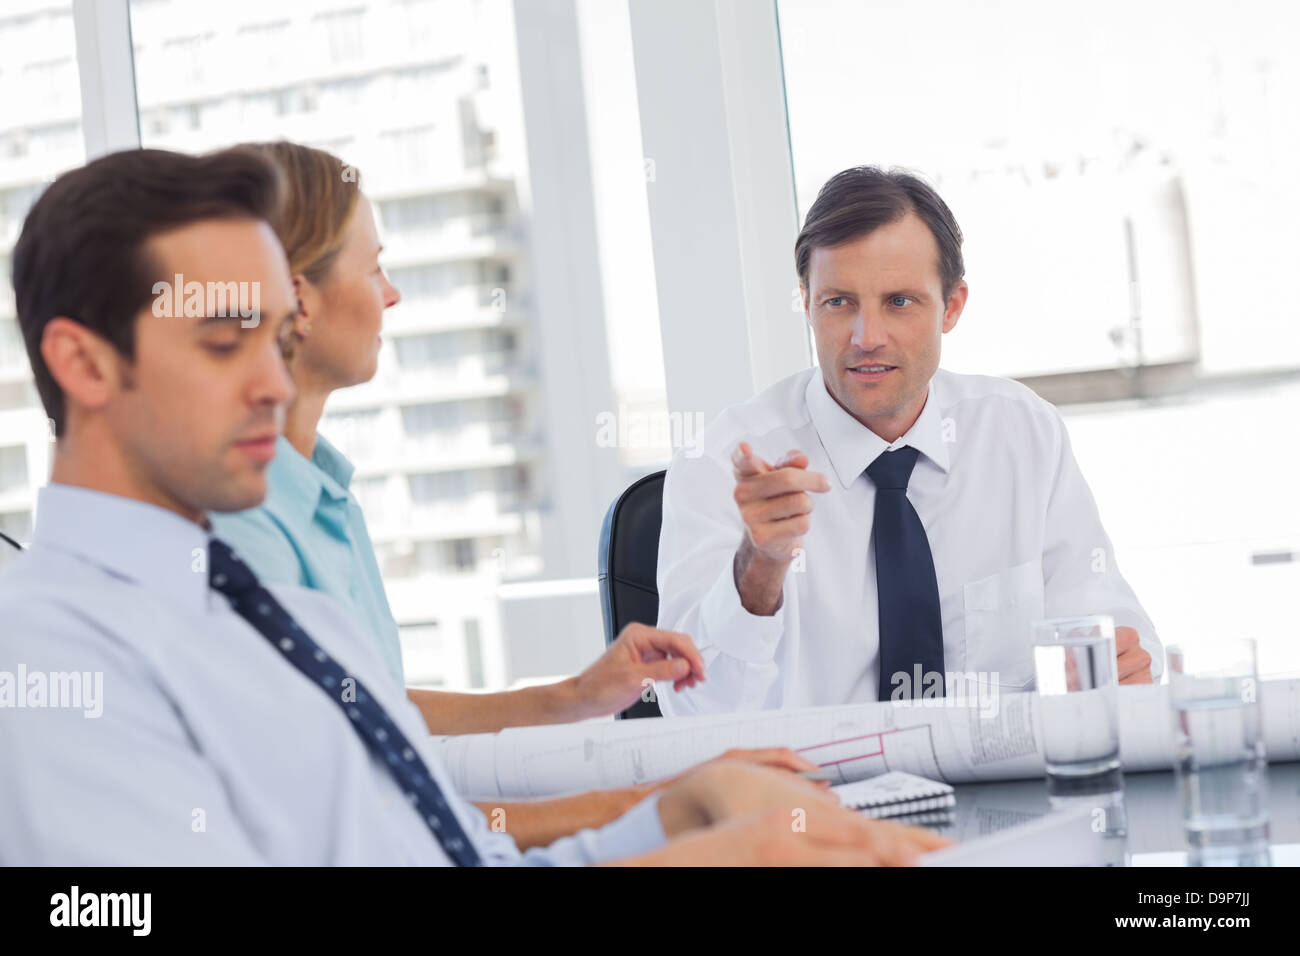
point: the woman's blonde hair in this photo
(319, 197)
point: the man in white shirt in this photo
(157, 704)
(958, 493)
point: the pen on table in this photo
(819, 774)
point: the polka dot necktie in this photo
(911, 625)
(255, 604)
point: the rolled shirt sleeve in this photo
(701, 532)
(637, 831)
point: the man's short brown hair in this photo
(860, 200)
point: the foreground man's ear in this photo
(82, 364)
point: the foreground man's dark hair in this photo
(82, 255)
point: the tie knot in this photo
(892, 469)
(227, 572)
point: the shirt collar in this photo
(297, 487)
(335, 465)
(851, 446)
(129, 539)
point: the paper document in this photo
(1061, 838)
(956, 744)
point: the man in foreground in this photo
(239, 724)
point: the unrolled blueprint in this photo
(957, 744)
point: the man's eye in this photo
(900, 301)
(221, 348)
(836, 301)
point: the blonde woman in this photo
(310, 530)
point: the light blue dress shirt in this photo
(310, 532)
(208, 746)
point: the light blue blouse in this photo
(311, 533)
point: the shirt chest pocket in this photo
(999, 614)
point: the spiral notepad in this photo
(895, 794)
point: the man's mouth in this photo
(261, 448)
(870, 372)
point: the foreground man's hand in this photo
(730, 814)
(542, 822)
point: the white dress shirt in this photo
(1013, 530)
(211, 748)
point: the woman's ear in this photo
(308, 302)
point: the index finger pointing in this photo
(746, 463)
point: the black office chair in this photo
(629, 554)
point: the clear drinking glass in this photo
(1077, 682)
(1219, 750)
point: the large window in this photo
(465, 440)
(580, 196)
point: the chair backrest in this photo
(628, 559)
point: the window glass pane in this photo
(1092, 163)
(13, 466)
(1125, 183)
(40, 137)
(17, 525)
(423, 659)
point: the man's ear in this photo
(85, 366)
(956, 303)
(803, 297)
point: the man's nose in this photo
(272, 384)
(868, 330)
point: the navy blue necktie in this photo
(258, 607)
(911, 626)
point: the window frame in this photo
(723, 217)
(110, 120)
